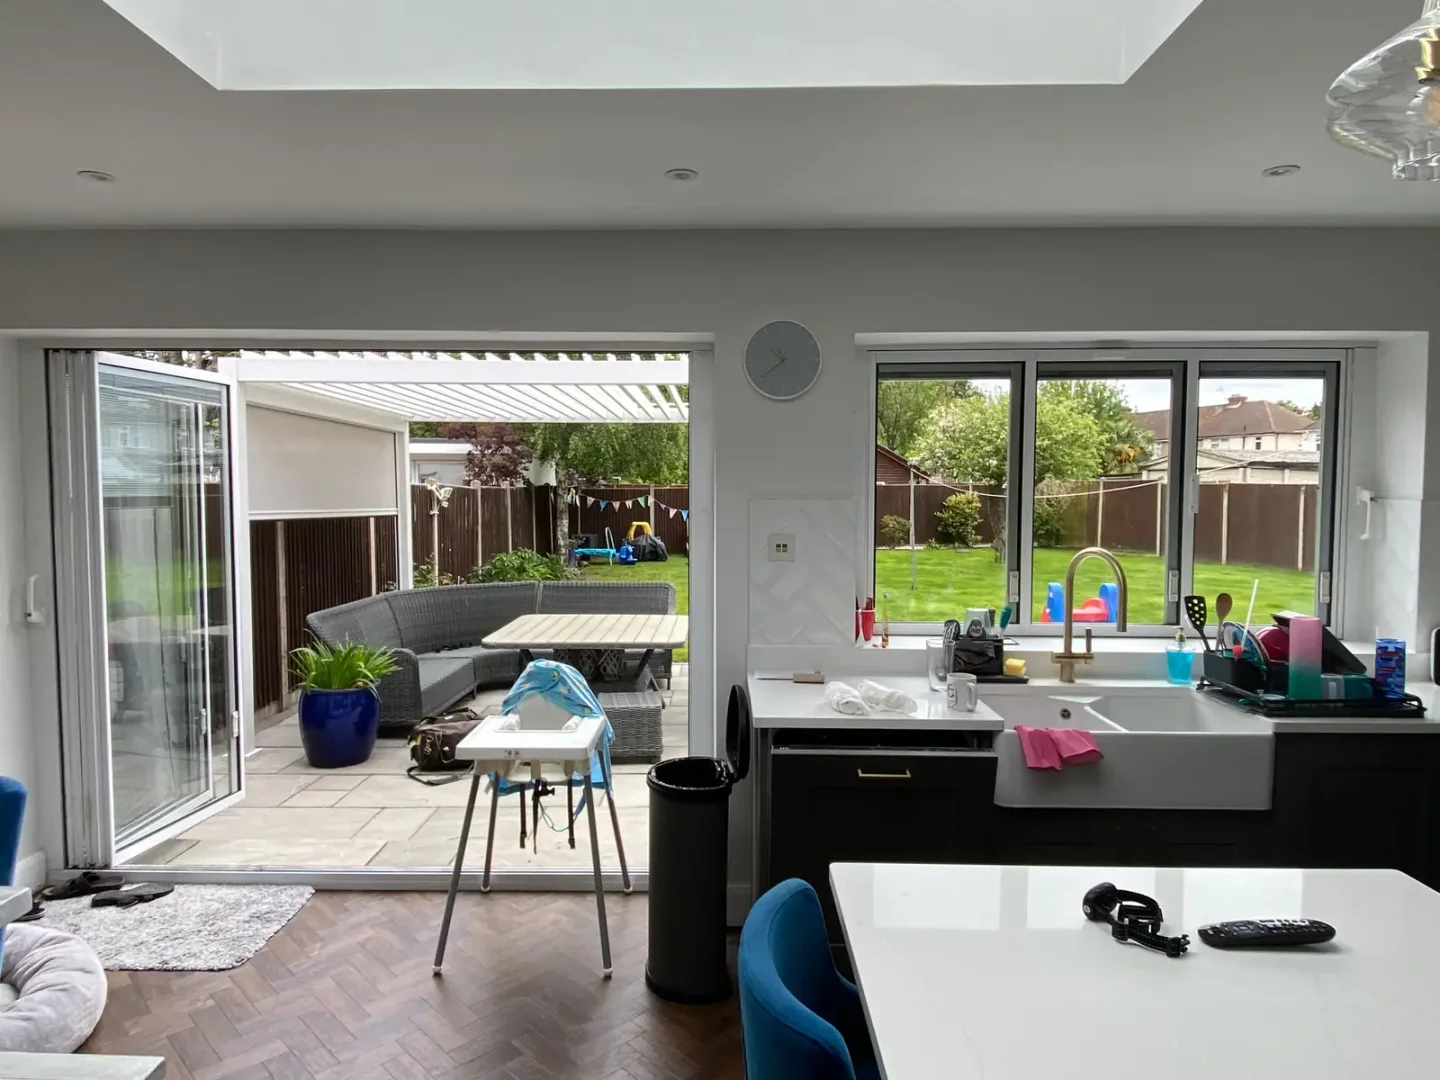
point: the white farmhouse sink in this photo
(1164, 750)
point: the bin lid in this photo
(737, 731)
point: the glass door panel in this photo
(165, 528)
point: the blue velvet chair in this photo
(12, 815)
(802, 1019)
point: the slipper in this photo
(131, 895)
(85, 884)
(37, 911)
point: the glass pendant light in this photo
(1387, 103)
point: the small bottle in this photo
(1179, 661)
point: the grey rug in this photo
(195, 928)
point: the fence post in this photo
(479, 526)
(509, 523)
(1225, 524)
(1159, 514)
(374, 565)
(1100, 517)
(913, 584)
(651, 503)
(1300, 546)
(435, 535)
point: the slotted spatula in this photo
(1197, 610)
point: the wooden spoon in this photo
(1223, 603)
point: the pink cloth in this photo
(1054, 748)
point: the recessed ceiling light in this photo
(1279, 170)
(96, 176)
(681, 174)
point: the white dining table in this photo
(994, 972)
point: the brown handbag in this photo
(432, 747)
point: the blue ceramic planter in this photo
(337, 727)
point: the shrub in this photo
(522, 565)
(959, 518)
(1048, 526)
(426, 578)
(351, 666)
(895, 530)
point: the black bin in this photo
(689, 842)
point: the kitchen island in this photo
(1343, 792)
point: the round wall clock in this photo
(782, 360)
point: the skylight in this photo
(617, 44)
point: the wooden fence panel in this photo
(387, 552)
(592, 519)
(326, 564)
(459, 522)
(267, 647)
(929, 498)
(1209, 524)
(1130, 512)
(1264, 524)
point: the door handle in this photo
(863, 775)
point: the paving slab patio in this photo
(374, 815)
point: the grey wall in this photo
(1107, 283)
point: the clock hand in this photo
(772, 370)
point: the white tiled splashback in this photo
(810, 601)
(1395, 568)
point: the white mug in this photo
(960, 691)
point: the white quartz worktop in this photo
(780, 703)
(993, 971)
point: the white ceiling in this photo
(1240, 86)
(650, 44)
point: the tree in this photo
(498, 455)
(614, 453)
(968, 440)
(902, 406)
(1125, 445)
(1314, 412)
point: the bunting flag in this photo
(629, 503)
(685, 514)
(604, 503)
(672, 510)
(589, 501)
(641, 500)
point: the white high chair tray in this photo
(488, 743)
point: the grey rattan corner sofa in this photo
(436, 634)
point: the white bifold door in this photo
(142, 475)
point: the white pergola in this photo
(513, 387)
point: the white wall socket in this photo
(781, 547)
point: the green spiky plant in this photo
(350, 666)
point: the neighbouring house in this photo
(1239, 424)
(891, 468)
(1242, 441)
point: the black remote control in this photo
(1267, 932)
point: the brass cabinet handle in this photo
(863, 775)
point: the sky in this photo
(1146, 395)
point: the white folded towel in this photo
(887, 700)
(845, 699)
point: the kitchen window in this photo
(994, 467)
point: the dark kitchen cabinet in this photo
(856, 806)
(1132, 837)
(1359, 801)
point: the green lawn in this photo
(949, 581)
(675, 570)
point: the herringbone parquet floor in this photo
(345, 991)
